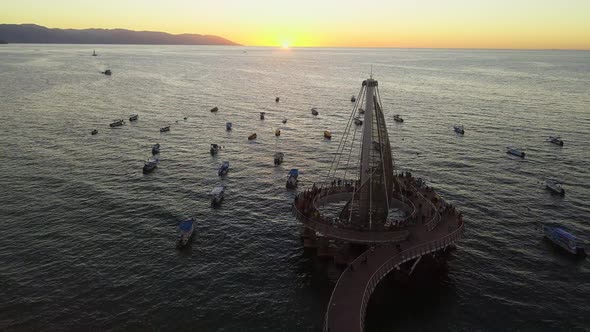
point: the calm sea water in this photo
(87, 240)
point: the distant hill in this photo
(32, 33)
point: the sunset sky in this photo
(546, 24)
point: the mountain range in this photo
(32, 33)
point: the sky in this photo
(512, 24)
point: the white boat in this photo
(117, 123)
(314, 111)
(186, 229)
(214, 149)
(555, 140)
(358, 122)
(262, 115)
(564, 240)
(279, 158)
(459, 129)
(150, 165)
(515, 152)
(555, 187)
(398, 118)
(217, 194)
(223, 169)
(133, 117)
(228, 126)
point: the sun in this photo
(285, 46)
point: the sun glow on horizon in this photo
(528, 24)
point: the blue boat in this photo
(564, 240)
(224, 168)
(185, 232)
(292, 178)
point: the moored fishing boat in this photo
(165, 129)
(292, 178)
(284, 121)
(185, 232)
(262, 115)
(214, 149)
(150, 165)
(228, 126)
(314, 111)
(277, 99)
(327, 134)
(94, 132)
(278, 132)
(515, 152)
(133, 117)
(156, 149)
(398, 118)
(117, 123)
(564, 240)
(214, 109)
(279, 158)
(223, 169)
(217, 194)
(358, 122)
(361, 110)
(106, 72)
(554, 186)
(252, 137)
(459, 129)
(352, 99)
(555, 140)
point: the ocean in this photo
(88, 242)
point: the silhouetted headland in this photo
(32, 33)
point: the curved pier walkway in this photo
(348, 303)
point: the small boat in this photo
(277, 99)
(314, 111)
(106, 72)
(564, 240)
(253, 136)
(284, 121)
(555, 187)
(214, 109)
(352, 99)
(515, 152)
(292, 178)
(361, 110)
(133, 117)
(327, 134)
(277, 132)
(165, 129)
(223, 169)
(398, 118)
(555, 140)
(185, 233)
(117, 123)
(214, 149)
(94, 53)
(217, 194)
(262, 115)
(228, 126)
(94, 132)
(279, 158)
(156, 149)
(358, 122)
(185, 118)
(150, 165)
(459, 129)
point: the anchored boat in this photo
(94, 132)
(515, 152)
(165, 129)
(327, 134)
(150, 165)
(133, 117)
(398, 118)
(214, 149)
(284, 121)
(156, 149)
(277, 99)
(117, 123)
(555, 140)
(185, 233)
(217, 194)
(253, 136)
(228, 126)
(94, 53)
(223, 169)
(459, 129)
(314, 111)
(352, 99)
(106, 72)
(278, 132)
(262, 115)
(555, 187)
(358, 122)
(279, 158)
(292, 178)
(564, 240)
